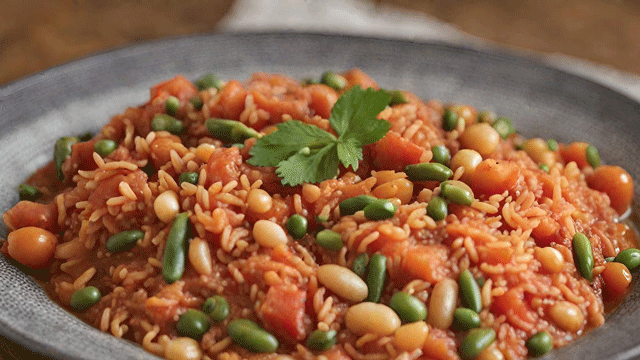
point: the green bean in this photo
(61, 152)
(544, 167)
(174, 258)
(583, 255)
(441, 154)
(352, 205)
(230, 131)
(83, 299)
(449, 120)
(332, 80)
(437, 208)
(456, 194)
(465, 319)
(329, 240)
(28, 192)
(380, 210)
(193, 323)
(124, 240)
(105, 147)
(251, 336)
(217, 307)
(297, 226)
(397, 97)
(629, 257)
(376, 276)
(593, 156)
(208, 81)
(172, 105)
(504, 127)
(196, 102)
(539, 344)
(552, 145)
(164, 122)
(409, 308)
(189, 177)
(360, 264)
(428, 172)
(476, 341)
(321, 340)
(470, 291)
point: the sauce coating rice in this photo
(452, 237)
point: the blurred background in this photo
(598, 39)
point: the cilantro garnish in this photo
(306, 153)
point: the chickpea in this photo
(480, 137)
(32, 246)
(259, 201)
(538, 150)
(568, 316)
(469, 159)
(166, 206)
(183, 348)
(550, 259)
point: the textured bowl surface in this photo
(83, 95)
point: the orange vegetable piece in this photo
(177, 86)
(283, 311)
(616, 278)
(231, 104)
(322, 99)
(356, 76)
(576, 151)
(512, 305)
(394, 152)
(615, 182)
(27, 213)
(494, 177)
(439, 346)
(425, 262)
(32, 246)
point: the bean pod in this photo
(84, 298)
(376, 276)
(583, 255)
(428, 172)
(124, 240)
(61, 152)
(230, 131)
(174, 258)
(470, 291)
(251, 336)
(476, 341)
(164, 122)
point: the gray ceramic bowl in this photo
(83, 95)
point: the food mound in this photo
(330, 219)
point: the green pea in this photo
(583, 255)
(380, 210)
(465, 319)
(83, 299)
(124, 240)
(230, 131)
(321, 340)
(397, 97)
(409, 308)
(174, 257)
(352, 205)
(332, 80)
(28, 192)
(552, 145)
(539, 344)
(376, 276)
(486, 116)
(470, 291)
(172, 105)
(196, 102)
(476, 341)
(322, 218)
(297, 226)
(193, 323)
(428, 172)
(504, 127)
(251, 336)
(456, 194)
(164, 122)
(544, 167)
(61, 152)
(437, 208)
(217, 307)
(309, 81)
(105, 147)
(593, 156)
(360, 264)
(208, 81)
(449, 120)
(189, 177)
(329, 240)
(441, 154)
(629, 257)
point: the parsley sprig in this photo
(305, 153)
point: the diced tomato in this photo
(358, 77)
(493, 177)
(439, 346)
(577, 152)
(231, 104)
(82, 155)
(426, 262)
(110, 187)
(178, 86)
(495, 256)
(27, 213)
(161, 149)
(512, 305)
(322, 99)
(223, 165)
(276, 107)
(283, 311)
(394, 152)
(546, 232)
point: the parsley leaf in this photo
(306, 153)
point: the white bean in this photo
(368, 317)
(343, 282)
(183, 348)
(200, 256)
(411, 336)
(442, 304)
(269, 234)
